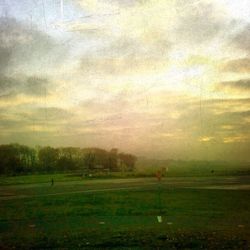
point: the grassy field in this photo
(197, 212)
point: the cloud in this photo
(238, 115)
(49, 114)
(5, 56)
(200, 24)
(34, 119)
(124, 65)
(7, 86)
(30, 86)
(220, 105)
(156, 46)
(183, 118)
(242, 86)
(210, 116)
(241, 65)
(36, 86)
(88, 29)
(236, 139)
(139, 76)
(24, 48)
(147, 32)
(242, 39)
(128, 56)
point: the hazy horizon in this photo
(159, 79)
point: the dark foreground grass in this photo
(192, 219)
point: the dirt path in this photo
(93, 186)
(141, 186)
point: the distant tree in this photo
(89, 161)
(64, 163)
(101, 158)
(68, 158)
(96, 159)
(10, 162)
(128, 160)
(17, 159)
(113, 159)
(47, 158)
(27, 157)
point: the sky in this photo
(157, 78)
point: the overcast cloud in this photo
(167, 79)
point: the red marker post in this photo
(158, 175)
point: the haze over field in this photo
(157, 78)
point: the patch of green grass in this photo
(127, 219)
(37, 178)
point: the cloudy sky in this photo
(158, 78)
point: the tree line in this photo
(20, 159)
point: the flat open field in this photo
(74, 213)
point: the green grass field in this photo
(75, 213)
